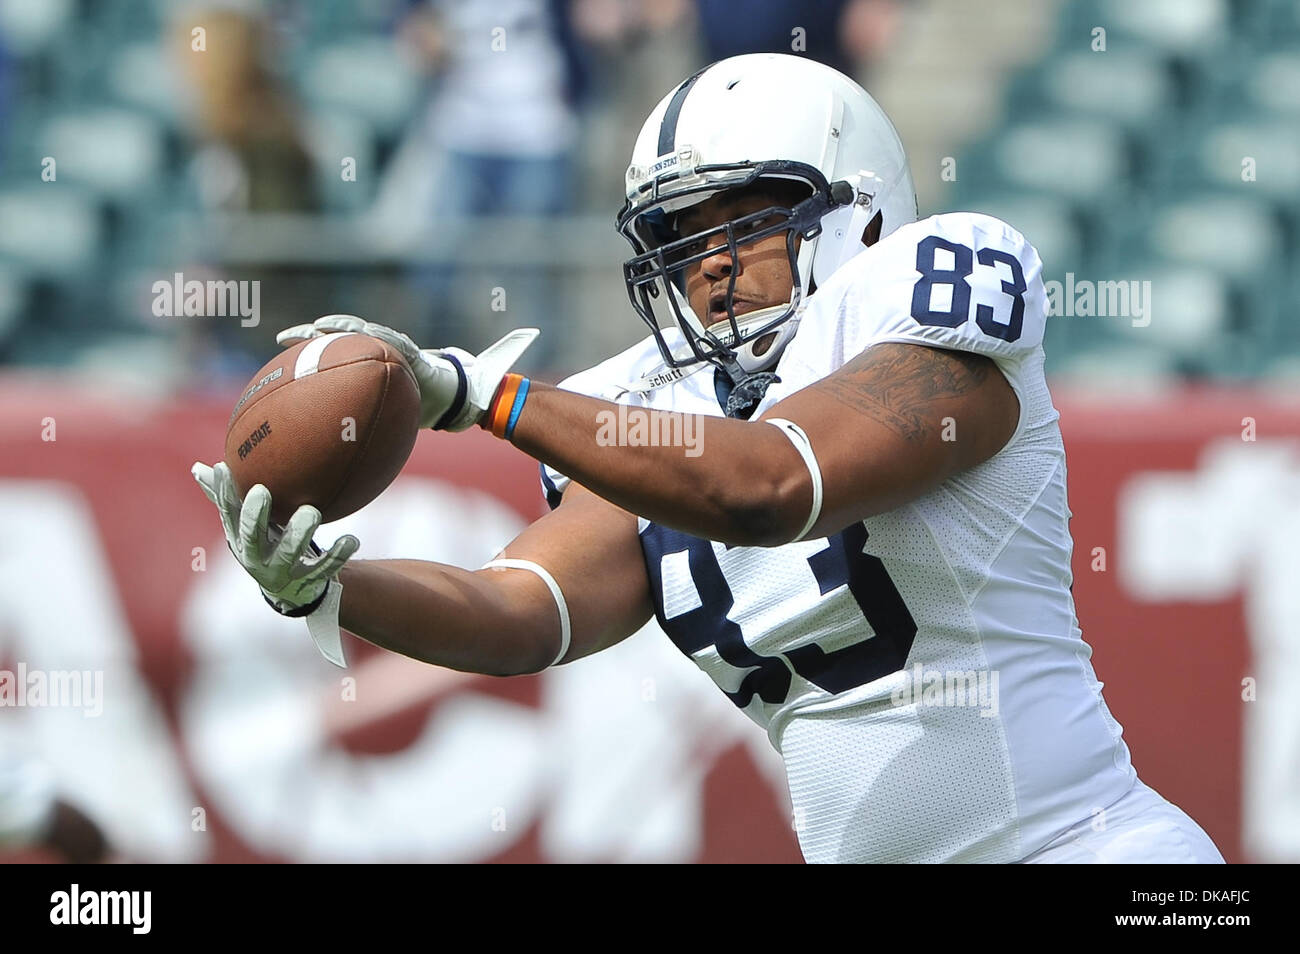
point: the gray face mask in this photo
(656, 276)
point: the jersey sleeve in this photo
(963, 281)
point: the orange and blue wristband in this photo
(503, 413)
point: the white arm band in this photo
(565, 631)
(801, 443)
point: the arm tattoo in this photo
(894, 383)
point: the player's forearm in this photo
(443, 615)
(736, 482)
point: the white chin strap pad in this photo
(751, 363)
(748, 361)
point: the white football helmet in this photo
(758, 116)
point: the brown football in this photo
(329, 422)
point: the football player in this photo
(832, 471)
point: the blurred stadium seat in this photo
(13, 293)
(1048, 222)
(1274, 83)
(144, 77)
(1125, 86)
(1272, 148)
(1178, 26)
(30, 27)
(1176, 152)
(332, 136)
(365, 78)
(116, 153)
(1246, 237)
(54, 234)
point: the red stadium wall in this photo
(1180, 494)
(1173, 666)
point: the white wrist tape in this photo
(801, 443)
(323, 624)
(566, 634)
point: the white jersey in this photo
(922, 672)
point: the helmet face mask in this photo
(744, 122)
(656, 277)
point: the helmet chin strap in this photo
(748, 378)
(751, 374)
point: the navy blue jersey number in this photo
(956, 277)
(842, 563)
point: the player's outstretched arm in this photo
(501, 621)
(886, 428)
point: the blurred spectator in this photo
(503, 107)
(250, 156)
(502, 124)
(866, 30)
(840, 33)
(639, 51)
(846, 34)
(251, 152)
(642, 49)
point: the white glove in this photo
(455, 386)
(296, 577)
